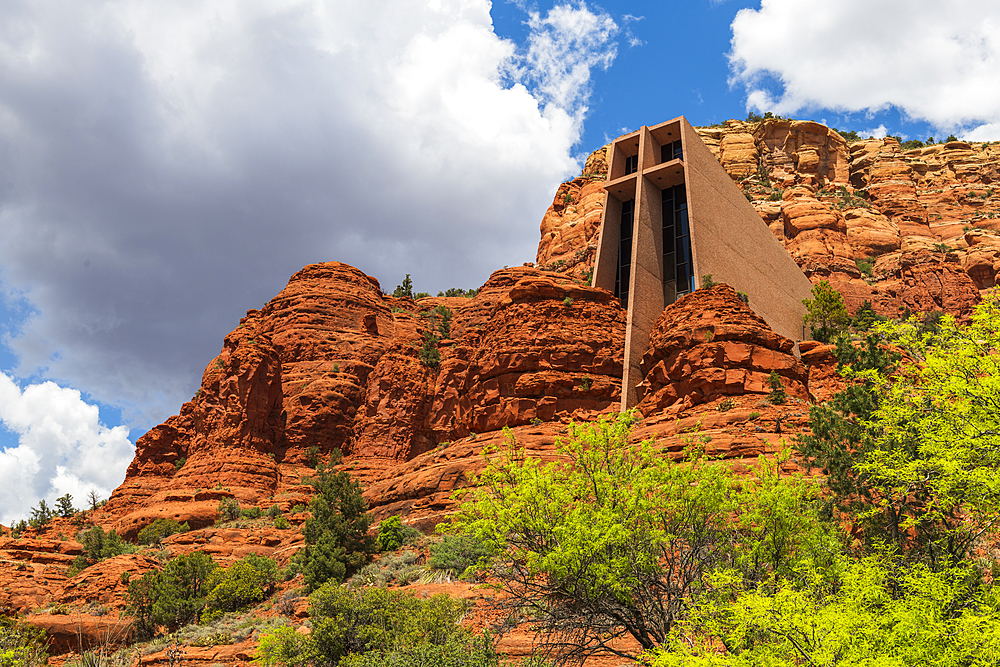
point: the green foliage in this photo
(392, 534)
(458, 291)
(837, 428)
(421, 295)
(951, 137)
(707, 282)
(933, 466)
(877, 613)
(865, 317)
(776, 195)
(725, 405)
(64, 506)
(156, 531)
(744, 297)
(378, 619)
(457, 553)
(17, 528)
(568, 301)
(246, 582)
(865, 266)
(251, 512)
(849, 136)
(404, 290)
(619, 540)
(281, 523)
(455, 652)
(911, 144)
(173, 596)
(228, 509)
(284, 646)
(100, 545)
(312, 456)
(777, 395)
(22, 644)
(40, 515)
(179, 463)
(429, 355)
(337, 540)
(443, 314)
(826, 315)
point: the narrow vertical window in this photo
(678, 269)
(631, 164)
(623, 274)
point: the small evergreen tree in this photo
(64, 505)
(826, 313)
(337, 540)
(404, 290)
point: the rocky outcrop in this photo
(710, 344)
(332, 363)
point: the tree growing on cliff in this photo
(618, 541)
(826, 315)
(404, 290)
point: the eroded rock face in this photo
(331, 362)
(709, 345)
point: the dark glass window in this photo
(671, 151)
(678, 270)
(631, 164)
(623, 274)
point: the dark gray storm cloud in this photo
(166, 166)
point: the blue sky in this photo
(166, 166)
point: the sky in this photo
(166, 166)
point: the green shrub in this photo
(455, 652)
(744, 297)
(40, 515)
(378, 619)
(390, 534)
(707, 282)
(179, 463)
(286, 647)
(429, 354)
(155, 532)
(405, 290)
(173, 596)
(274, 511)
(246, 582)
(725, 405)
(281, 523)
(457, 553)
(100, 545)
(22, 644)
(228, 509)
(64, 506)
(568, 301)
(251, 513)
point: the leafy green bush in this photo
(246, 582)
(455, 652)
(405, 290)
(100, 545)
(251, 513)
(390, 534)
(22, 644)
(616, 530)
(172, 597)
(378, 619)
(457, 553)
(281, 523)
(156, 531)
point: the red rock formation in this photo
(710, 344)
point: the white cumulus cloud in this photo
(168, 165)
(936, 61)
(62, 448)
